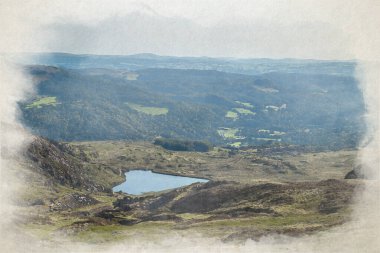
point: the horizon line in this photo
(188, 56)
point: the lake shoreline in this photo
(153, 182)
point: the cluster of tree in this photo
(183, 145)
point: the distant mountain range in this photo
(233, 102)
(231, 65)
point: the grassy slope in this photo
(44, 101)
(107, 160)
(244, 166)
(154, 111)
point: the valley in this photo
(322, 110)
(275, 142)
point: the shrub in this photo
(183, 145)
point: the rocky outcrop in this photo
(72, 201)
(355, 174)
(54, 162)
(230, 199)
(337, 195)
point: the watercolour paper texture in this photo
(189, 126)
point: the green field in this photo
(228, 133)
(153, 111)
(44, 101)
(132, 76)
(235, 112)
(232, 115)
(267, 139)
(246, 104)
(236, 144)
(277, 133)
(244, 111)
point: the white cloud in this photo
(146, 32)
(242, 28)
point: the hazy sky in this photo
(256, 28)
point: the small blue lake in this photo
(141, 181)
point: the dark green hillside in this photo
(222, 108)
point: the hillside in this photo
(320, 110)
(238, 203)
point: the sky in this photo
(246, 29)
